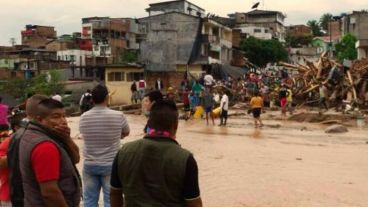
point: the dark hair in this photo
(47, 105)
(163, 115)
(154, 96)
(88, 91)
(32, 104)
(99, 94)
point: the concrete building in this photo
(271, 20)
(298, 30)
(132, 34)
(29, 62)
(356, 23)
(118, 79)
(176, 43)
(255, 31)
(107, 37)
(36, 36)
(181, 6)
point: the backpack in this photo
(87, 100)
(15, 177)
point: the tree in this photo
(345, 49)
(261, 52)
(298, 40)
(129, 56)
(325, 20)
(316, 29)
(46, 84)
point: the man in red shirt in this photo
(56, 183)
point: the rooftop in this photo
(168, 2)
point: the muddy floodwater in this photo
(284, 164)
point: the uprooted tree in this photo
(260, 52)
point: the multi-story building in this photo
(255, 31)
(181, 6)
(132, 34)
(357, 24)
(36, 36)
(29, 62)
(273, 21)
(176, 43)
(107, 37)
(298, 30)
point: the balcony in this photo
(210, 39)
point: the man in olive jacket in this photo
(156, 171)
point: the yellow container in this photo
(216, 112)
(198, 112)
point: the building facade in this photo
(181, 6)
(36, 36)
(356, 23)
(106, 35)
(298, 30)
(273, 21)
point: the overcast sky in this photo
(66, 15)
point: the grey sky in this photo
(66, 15)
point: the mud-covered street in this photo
(284, 164)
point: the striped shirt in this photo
(101, 129)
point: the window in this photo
(116, 76)
(257, 30)
(72, 58)
(266, 30)
(134, 76)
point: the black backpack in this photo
(15, 177)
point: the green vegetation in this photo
(261, 52)
(298, 40)
(324, 20)
(345, 49)
(46, 84)
(316, 29)
(129, 56)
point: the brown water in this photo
(294, 164)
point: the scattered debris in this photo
(336, 129)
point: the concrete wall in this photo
(169, 41)
(120, 90)
(79, 56)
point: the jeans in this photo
(96, 177)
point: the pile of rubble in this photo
(347, 82)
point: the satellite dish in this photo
(255, 6)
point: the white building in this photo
(254, 31)
(75, 56)
(181, 6)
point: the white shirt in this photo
(208, 79)
(225, 102)
(57, 97)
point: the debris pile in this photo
(347, 81)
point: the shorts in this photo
(208, 110)
(256, 112)
(283, 102)
(186, 107)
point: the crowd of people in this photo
(38, 157)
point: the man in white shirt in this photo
(57, 97)
(224, 105)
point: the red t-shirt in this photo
(46, 162)
(4, 173)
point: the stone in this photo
(336, 128)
